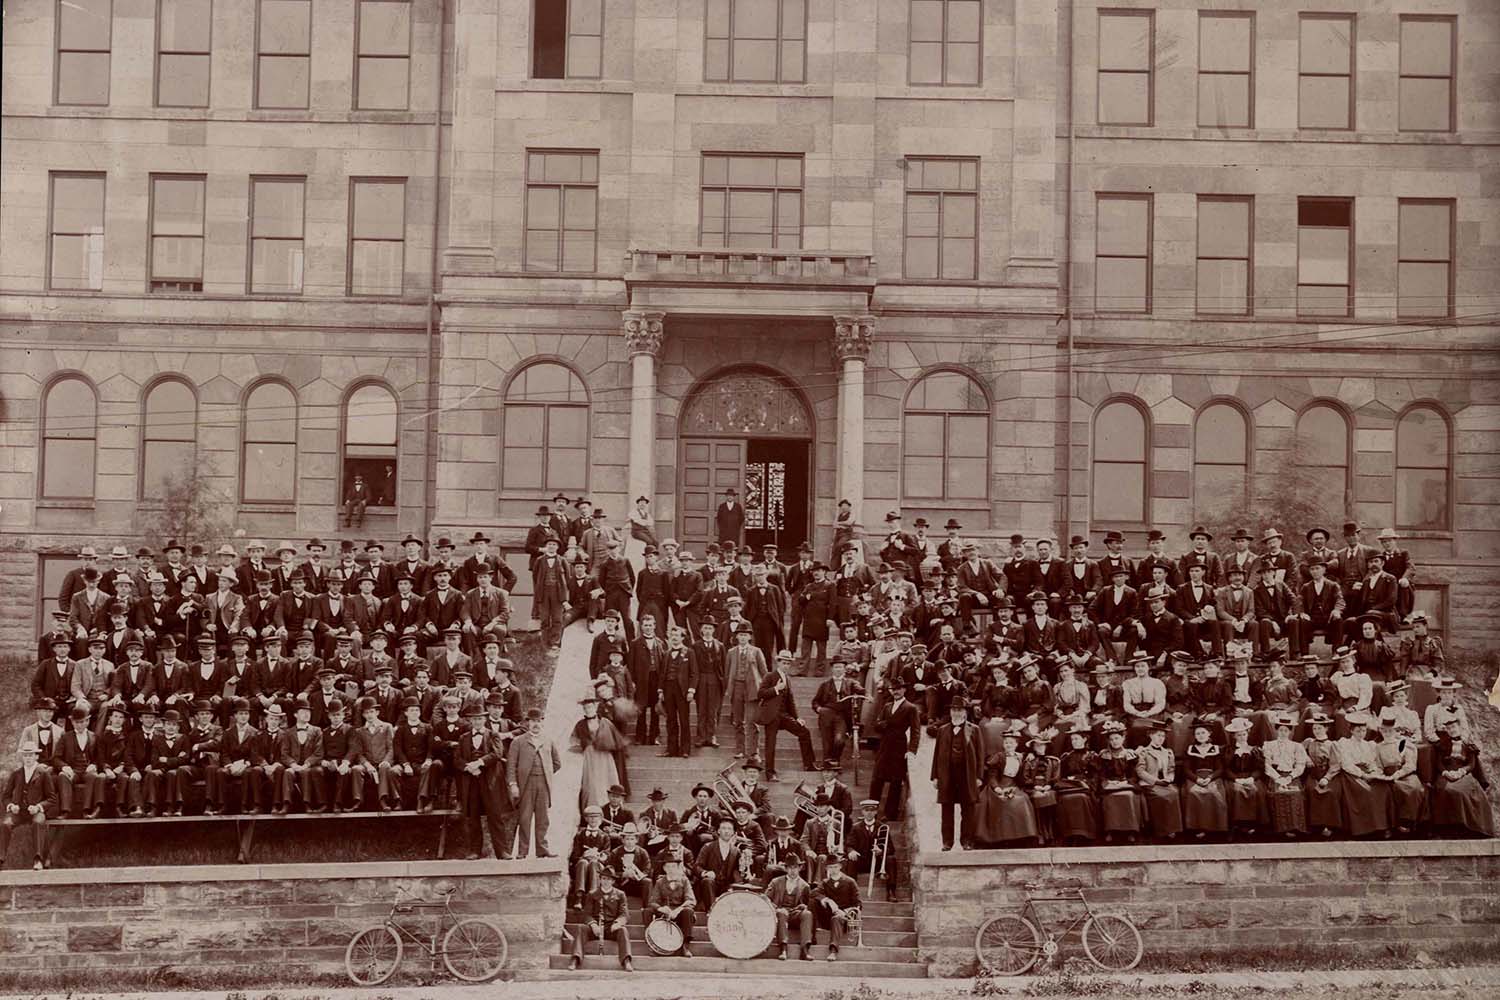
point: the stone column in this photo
(851, 346)
(643, 335)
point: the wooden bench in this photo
(245, 823)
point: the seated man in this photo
(792, 897)
(28, 801)
(672, 899)
(606, 916)
(837, 906)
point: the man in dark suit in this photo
(1196, 607)
(765, 607)
(1398, 563)
(958, 772)
(899, 731)
(402, 613)
(797, 576)
(559, 520)
(902, 547)
(1322, 604)
(29, 800)
(549, 582)
(1114, 611)
(676, 688)
(1084, 576)
(1276, 608)
(729, 518)
(1155, 556)
(1379, 593)
(648, 655)
(836, 702)
(1159, 630)
(1352, 559)
(777, 710)
(1021, 576)
(88, 612)
(1201, 555)
(538, 532)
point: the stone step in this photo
(762, 966)
(897, 926)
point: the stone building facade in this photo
(1047, 268)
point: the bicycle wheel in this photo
(475, 949)
(373, 955)
(1007, 945)
(1111, 942)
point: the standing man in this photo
(1242, 557)
(729, 519)
(899, 730)
(744, 667)
(765, 607)
(1399, 565)
(647, 663)
(676, 687)
(530, 764)
(88, 558)
(549, 584)
(835, 705)
(958, 773)
(612, 580)
(1199, 555)
(777, 711)
(1352, 571)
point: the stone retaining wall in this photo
(1186, 900)
(299, 917)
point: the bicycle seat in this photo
(446, 888)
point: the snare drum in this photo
(663, 937)
(741, 924)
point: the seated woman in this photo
(1156, 770)
(1367, 793)
(1119, 801)
(1004, 813)
(1286, 762)
(1204, 806)
(1180, 704)
(1325, 798)
(1039, 772)
(1396, 756)
(1244, 766)
(1077, 816)
(1459, 802)
(1279, 694)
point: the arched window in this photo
(1422, 446)
(268, 473)
(169, 437)
(70, 413)
(1322, 449)
(546, 442)
(1220, 458)
(1120, 466)
(370, 436)
(945, 439)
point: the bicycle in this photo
(1010, 944)
(473, 949)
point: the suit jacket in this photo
(48, 682)
(1379, 595)
(179, 682)
(963, 786)
(555, 592)
(724, 863)
(524, 761)
(1163, 635)
(770, 601)
(260, 614)
(1078, 638)
(439, 610)
(69, 752)
(729, 521)
(398, 621)
(679, 669)
(206, 687)
(33, 734)
(1274, 600)
(225, 613)
(1228, 606)
(744, 668)
(1108, 610)
(899, 734)
(248, 749)
(1319, 607)
(1250, 564)
(827, 699)
(418, 571)
(91, 682)
(295, 613)
(709, 657)
(1147, 563)
(647, 663)
(1052, 578)
(486, 609)
(501, 575)
(1041, 640)
(1351, 567)
(1021, 578)
(1084, 579)
(39, 790)
(92, 616)
(1187, 605)
(289, 751)
(774, 704)
(413, 744)
(440, 671)
(784, 896)
(364, 615)
(329, 617)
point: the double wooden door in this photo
(709, 467)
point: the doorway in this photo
(777, 499)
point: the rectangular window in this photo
(277, 211)
(942, 219)
(567, 39)
(182, 52)
(1424, 268)
(83, 43)
(1226, 69)
(755, 41)
(944, 42)
(1122, 256)
(177, 233)
(1428, 48)
(1225, 225)
(1126, 58)
(1325, 84)
(752, 201)
(1325, 256)
(377, 236)
(382, 66)
(562, 211)
(75, 257)
(283, 65)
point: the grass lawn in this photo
(333, 840)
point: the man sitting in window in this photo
(356, 499)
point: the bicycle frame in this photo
(1029, 909)
(446, 919)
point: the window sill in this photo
(1425, 534)
(252, 507)
(65, 503)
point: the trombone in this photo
(879, 849)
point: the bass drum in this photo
(741, 924)
(663, 937)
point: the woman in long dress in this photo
(598, 740)
(1180, 706)
(1459, 801)
(1244, 766)
(1279, 694)
(642, 533)
(1286, 762)
(1119, 801)
(1004, 813)
(1397, 758)
(1325, 801)
(1156, 770)
(1039, 771)
(1205, 810)
(1366, 792)
(1077, 815)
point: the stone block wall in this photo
(1192, 900)
(299, 917)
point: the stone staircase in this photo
(890, 932)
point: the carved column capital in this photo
(643, 332)
(852, 336)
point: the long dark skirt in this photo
(1247, 803)
(1366, 805)
(1164, 806)
(1002, 814)
(1122, 809)
(1325, 807)
(1076, 816)
(1408, 801)
(1288, 808)
(1205, 807)
(1462, 803)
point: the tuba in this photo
(729, 788)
